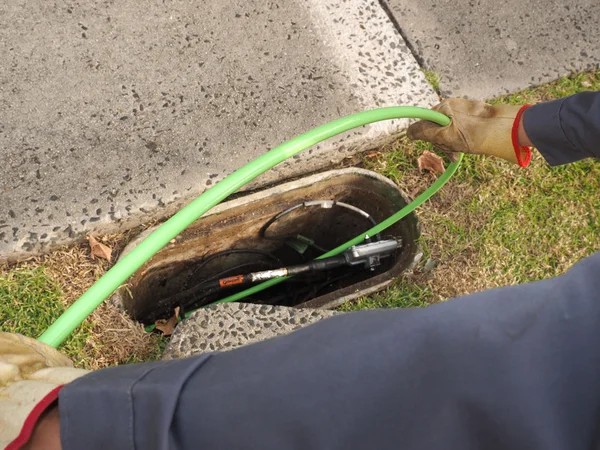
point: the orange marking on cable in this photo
(231, 281)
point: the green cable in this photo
(428, 193)
(122, 270)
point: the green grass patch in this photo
(537, 222)
(402, 294)
(572, 84)
(432, 78)
(495, 224)
(29, 302)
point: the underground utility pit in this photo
(289, 224)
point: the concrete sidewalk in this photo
(115, 113)
(485, 48)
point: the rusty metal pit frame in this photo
(236, 224)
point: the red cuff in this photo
(32, 419)
(519, 150)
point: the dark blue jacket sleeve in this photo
(565, 130)
(517, 367)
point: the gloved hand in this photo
(31, 374)
(476, 128)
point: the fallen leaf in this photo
(586, 84)
(98, 249)
(167, 326)
(431, 162)
(373, 155)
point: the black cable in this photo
(226, 271)
(182, 298)
(176, 299)
(230, 252)
(326, 204)
(315, 289)
(212, 290)
(167, 309)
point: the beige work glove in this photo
(476, 128)
(30, 373)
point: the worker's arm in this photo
(563, 131)
(516, 367)
(567, 129)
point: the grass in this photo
(35, 292)
(31, 300)
(413, 296)
(495, 224)
(433, 79)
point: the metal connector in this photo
(370, 254)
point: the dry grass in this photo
(110, 337)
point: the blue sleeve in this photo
(516, 367)
(565, 130)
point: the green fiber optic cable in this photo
(131, 262)
(428, 193)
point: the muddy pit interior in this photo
(230, 242)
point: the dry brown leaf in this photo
(98, 249)
(167, 326)
(431, 162)
(373, 155)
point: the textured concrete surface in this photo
(482, 48)
(112, 113)
(231, 325)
